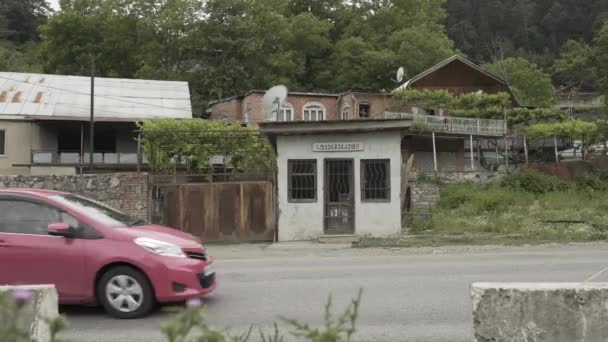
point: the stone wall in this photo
(424, 195)
(551, 312)
(127, 192)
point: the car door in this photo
(28, 255)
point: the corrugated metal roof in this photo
(68, 97)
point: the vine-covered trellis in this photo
(199, 146)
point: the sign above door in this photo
(338, 147)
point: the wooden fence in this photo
(219, 212)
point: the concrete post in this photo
(540, 312)
(435, 153)
(472, 150)
(526, 149)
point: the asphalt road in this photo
(411, 295)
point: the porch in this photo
(67, 144)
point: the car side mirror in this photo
(60, 229)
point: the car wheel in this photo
(125, 293)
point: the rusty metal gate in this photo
(339, 197)
(235, 211)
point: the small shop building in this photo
(338, 178)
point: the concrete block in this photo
(346, 238)
(42, 307)
(538, 312)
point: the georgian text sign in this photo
(337, 147)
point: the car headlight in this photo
(160, 247)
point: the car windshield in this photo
(99, 212)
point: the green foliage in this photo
(587, 133)
(534, 182)
(483, 106)
(191, 143)
(530, 84)
(191, 325)
(532, 206)
(482, 200)
(533, 29)
(600, 56)
(575, 63)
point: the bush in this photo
(535, 182)
(479, 199)
(591, 182)
(455, 195)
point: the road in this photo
(409, 295)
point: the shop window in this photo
(2, 142)
(313, 112)
(364, 109)
(302, 179)
(375, 180)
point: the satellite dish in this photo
(400, 74)
(273, 99)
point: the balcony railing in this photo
(74, 158)
(448, 124)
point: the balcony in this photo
(53, 157)
(454, 125)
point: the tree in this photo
(530, 84)
(20, 19)
(575, 64)
(600, 56)
(381, 36)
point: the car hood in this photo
(174, 236)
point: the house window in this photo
(375, 180)
(286, 112)
(364, 109)
(2, 142)
(344, 114)
(313, 112)
(302, 179)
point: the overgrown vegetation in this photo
(191, 144)
(190, 324)
(483, 106)
(531, 205)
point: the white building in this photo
(338, 178)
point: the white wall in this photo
(304, 221)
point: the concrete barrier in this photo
(535, 312)
(34, 315)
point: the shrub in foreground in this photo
(189, 324)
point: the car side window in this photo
(25, 217)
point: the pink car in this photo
(95, 254)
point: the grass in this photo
(522, 209)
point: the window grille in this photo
(375, 180)
(302, 176)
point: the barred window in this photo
(375, 180)
(302, 176)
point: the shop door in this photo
(339, 197)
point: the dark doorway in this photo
(69, 138)
(105, 138)
(339, 197)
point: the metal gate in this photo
(339, 197)
(238, 211)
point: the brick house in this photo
(302, 106)
(454, 149)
